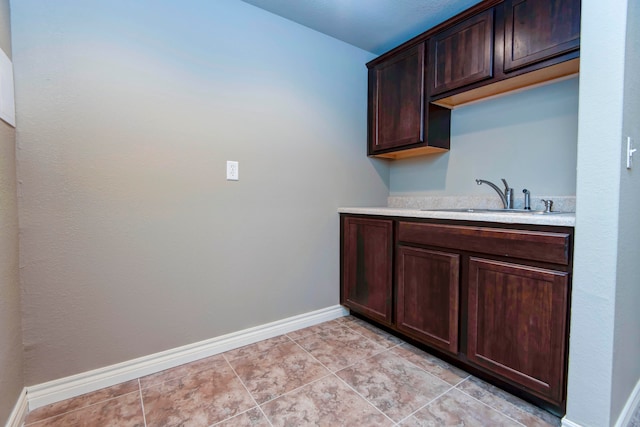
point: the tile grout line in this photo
(259, 352)
(78, 409)
(452, 386)
(295, 389)
(345, 383)
(303, 385)
(248, 392)
(383, 349)
(144, 416)
(432, 374)
(364, 398)
(427, 404)
(313, 333)
(344, 367)
(491, 407)
(179, 377)
(236, 415)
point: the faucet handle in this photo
(506, 186)
(527, 199)
(548, 205)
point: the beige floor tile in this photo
(199, 399)
(278, 370)
(312, 330)
(376, 335)
(393, 384)
(289, 375)
(431, 364)
(515, 408)
(252, 418)
(339, 347)
(121, 411)
(183, 370)
(257, 348)
(327, 402)
(83, 401)
(457, 409)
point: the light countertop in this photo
(557, 219)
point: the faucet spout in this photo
(503, 196)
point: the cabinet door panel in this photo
(398, 100)
(517, 324)
(536, 30)
(428, 296)
(367, 269)
(462, 54)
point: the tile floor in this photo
(339, 373)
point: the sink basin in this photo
(505, 211)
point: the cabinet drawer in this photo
(531, 245)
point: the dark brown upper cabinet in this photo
(537, 30)
(398, 111)
(462, 54)
(534, 41)
(490, 49)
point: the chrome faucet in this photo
(506, 197)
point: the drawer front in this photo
(524, 244)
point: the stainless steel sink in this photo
(506, 211)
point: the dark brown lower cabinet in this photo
(428, 296)
(492, 298)
(367, 267)
(517, 323)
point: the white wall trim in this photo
(633, 403)
(16, 419)
(569, 423)
(75, 385)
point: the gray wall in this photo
(603, 363)
(626, 345)
(529, 138)
(11, 372)
(132, 240)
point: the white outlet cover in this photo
(232, 171)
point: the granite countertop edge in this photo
(557, 219)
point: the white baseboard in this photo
(633, 403)
(19, 413)
(75, 385)
(569, 423)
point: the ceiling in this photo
(373, 25)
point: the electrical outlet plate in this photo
(232, 170)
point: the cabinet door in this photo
(517, 324)
(462, 54)
(397, 101)
(428, 293)
(537, 30)
(367, 267)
